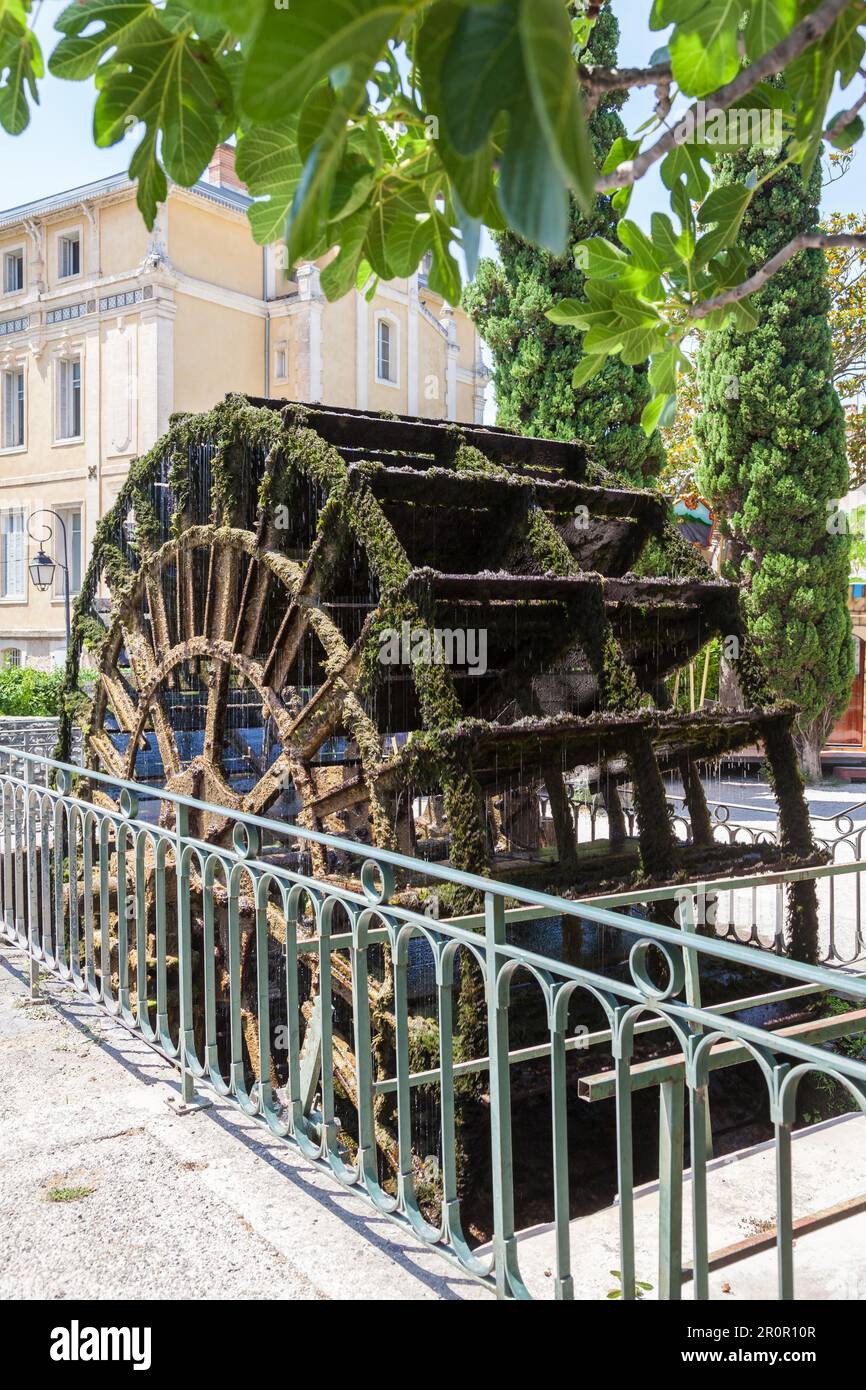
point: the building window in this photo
(12, 555)
(12, 656)
(386, 351)
(69, 398)
(69, 255)
(281, 363)
(71, 517)
(12, 433)
(13, 272)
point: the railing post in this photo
(32, 893)
(8, 860)
(784, 1212)
(671, 1105)
(624, 1154)
(450, 1199)
(779, 931)
(188, 1098)
(698, 1133)
(508, 1283)
(559, 1117)
(784, 1187)
(689, 920)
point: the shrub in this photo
(24, 690)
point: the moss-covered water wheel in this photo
(263, 559)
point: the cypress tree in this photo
(772, 445)
(533, 359)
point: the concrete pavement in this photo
(204, 1205)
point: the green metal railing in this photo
(105, 899)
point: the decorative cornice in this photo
(115, 188)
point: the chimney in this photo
(221, 170)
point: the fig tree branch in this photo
(806, 241)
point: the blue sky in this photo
(57, 150)
(637, 43)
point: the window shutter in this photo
(7, 408)
(384, 369)
(75, 373)
(18, 554)
(75, 552)
(61, 400)
(13, 555)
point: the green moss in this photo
(618, 688)
(468, 459)
(667, 554)
(423, 1044)
(548, 550)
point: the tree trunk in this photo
(730, 695)
(809, 741)
(616, 827)
(795, 833)
(696, 801)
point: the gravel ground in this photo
(106, 1192)
(146, 1228)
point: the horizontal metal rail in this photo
(726, 1054)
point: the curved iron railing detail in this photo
(53, 839)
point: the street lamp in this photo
(42, 569)
(42, 566)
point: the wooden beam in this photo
(602, 1086)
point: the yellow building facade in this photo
(106, 329)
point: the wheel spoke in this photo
(306, 788)
(321, 716)
(158, 614)
(251, 610)
(219, 680)
(144, 669)
(222, 583)
(307, 597)
(221, 595)
(286, 646)
(269, 786)
(121, 704)
(186, 592)
(112, 761)
(165, 739)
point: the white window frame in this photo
(68, 234)
(393, 323)
(65, 360)
(10, 657)
(67, 511)
(14, 369)
(18, 595)
(281, 350)
(19, 253)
